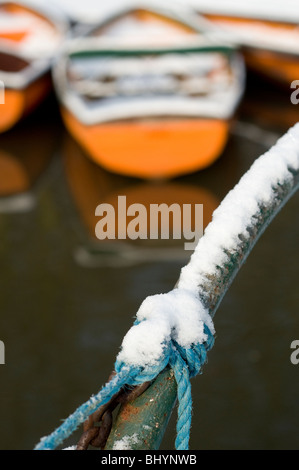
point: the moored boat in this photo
(147, 94)
(267, 31)
(29, 39)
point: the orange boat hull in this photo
(18, 103)
(150, 150)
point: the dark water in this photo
(65, 309)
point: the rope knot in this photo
(170, 329)
(175, 320)
(174, 329)
(196, 355)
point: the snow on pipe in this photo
(240, 220)
(237, 224)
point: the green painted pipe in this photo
(141, 424)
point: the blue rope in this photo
(186, 363)
(81, 414)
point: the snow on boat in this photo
(148, 95)
(267, 31)
(29, 39)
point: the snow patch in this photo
(177, 315)
(126, 442)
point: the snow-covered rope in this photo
(176, 328)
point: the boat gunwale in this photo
(36, 67)
(75, 104)
(222, 10)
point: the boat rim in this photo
(36, 67)
(94, 45)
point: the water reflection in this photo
(91, 185)
(277, 111)
(22, 165)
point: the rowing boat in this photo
(29, 39)
(147, 94)
(266, 31)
